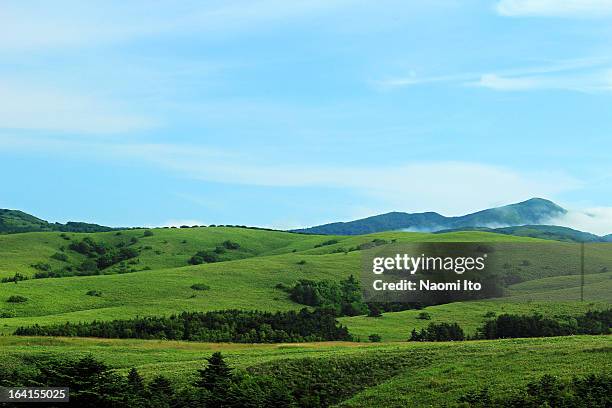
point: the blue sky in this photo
(287, 114)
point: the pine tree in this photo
(216, 381)
(217, 374)
(135, 382)
(161, 392)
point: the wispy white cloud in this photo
(580, 75)
(500, 83)
(24, 106)
(413, 79)
(598, 81)
(554, 8)
(449, 187)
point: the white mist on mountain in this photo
(594, 220)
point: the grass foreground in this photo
(453, 368)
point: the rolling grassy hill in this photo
(160, 281)
(247, 279)
(166, 248)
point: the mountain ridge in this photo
(535, 211)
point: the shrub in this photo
(59, 256)
(302, 262)
(282, 286)
(375, 338)
(231, 245)
(374, 311)
(203, 257)
(96, 293)
(200, 286)
(7, 314)
(15, 278)
(325, 243)
(17, 299)
(41, 266)
(148, 233)
(50, 274)
(424, 316)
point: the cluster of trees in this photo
(591, 391)
(304, 382)
(511, 326)
(343, 297)
(439, 332)
(102, 255)
(235, 326)
(93, 384)
(99, 256)
(208, 256)
(508, 326)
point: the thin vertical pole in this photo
(582, 272)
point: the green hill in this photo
(15, 221)
(533, 211)
(440, 375)
(249, 266)
(549, 232)
(159, 282)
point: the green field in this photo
(452, 370)
(159, 283)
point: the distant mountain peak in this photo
(529, 212)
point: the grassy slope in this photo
(502, 365)
(170, 248)
(271, 258)
(549, 296)
(244, 283)
(456, 368)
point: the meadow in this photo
(452, 369)
(160, 281)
